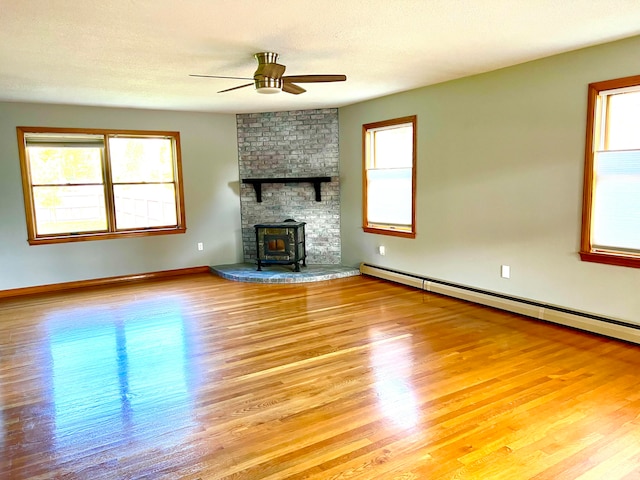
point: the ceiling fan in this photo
(268, 78)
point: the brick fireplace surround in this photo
(301, 143)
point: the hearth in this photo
(281, 243)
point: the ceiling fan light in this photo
(267, 85)
(268, 90)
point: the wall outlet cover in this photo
(505, 271)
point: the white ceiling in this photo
(139, 53)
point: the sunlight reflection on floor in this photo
(392, 368)
(121, 375)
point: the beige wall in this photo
(210, 171)
(500, 162)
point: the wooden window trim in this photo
(366, 226)
(34, 239)
(587, 252)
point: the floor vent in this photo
(581, 320)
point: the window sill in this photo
(390, 232)
(104, 236)
(610, 258)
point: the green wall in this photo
(500, 163)
(210, 171)
(500, 160)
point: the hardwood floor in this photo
(202, 378)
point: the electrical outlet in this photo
(381, 250)
(505, 271)
(200, 246)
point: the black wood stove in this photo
(281, 243)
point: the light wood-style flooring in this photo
(197, 377)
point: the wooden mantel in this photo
(257, 184)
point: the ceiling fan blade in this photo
(314, 78)
(271, 70)
(217, 76)
(292, 88)
(236, 88)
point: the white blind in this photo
(616, 203)
(389, 196)
(64, 140)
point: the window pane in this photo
(62, 165)
(616, 208)
(623, 124)
(69, 209)
(142, 206)
(389, 196)
(141, 159)
(393, 147)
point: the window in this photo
(389, 177)
(611, 206)
(96, 184)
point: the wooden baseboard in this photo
(56, 287)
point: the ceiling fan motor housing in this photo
(266, 57)
(266, 84)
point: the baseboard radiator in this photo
(609, 327)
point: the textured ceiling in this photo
(139, 53)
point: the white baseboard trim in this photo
(398, 277)
(607, 326)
